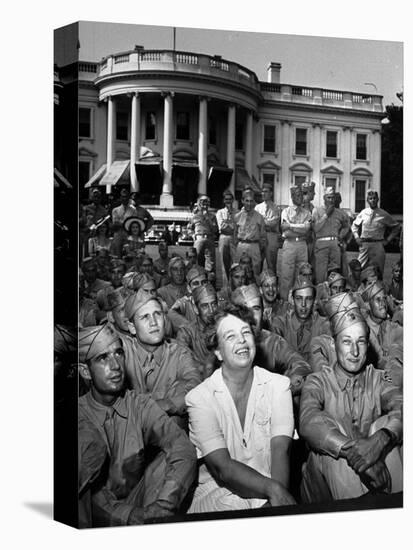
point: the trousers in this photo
(271, 250)
(372, 254)
(327, 255)
(293, 253)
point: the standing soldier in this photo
(296, 226)
(368, 229)
(204, 225)
(251, 235)
(331, 226)
(346, 240)
(272, 216)
(308, 197)
(226, 228)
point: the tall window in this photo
(299, 180)
(84, 171)
(239, 136)
(182, 125)
(85, 122)
(268, 177)
(269, 139)
(150, 125)
(331, 144)
(122, 126)
(330, 182)
(212, 131)
(300, 141)
(360, 195)
(361, 146)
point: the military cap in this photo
(335, 277)
(136, 300)
(88, 261)
(370, 271)
(301, 283)
(329, 190)
(267, 275)
(95, 340)
(242, 295)
(175, 261)
(372, 289)
(201, 292)
(371, 191)
(235, 267)
(343, 311)
(194, 272)
(115, 299)
(308, 185)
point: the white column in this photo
(248, 143)
(285, 161)
(231, 145)
(166, 197)
(347, 192)
(376, 160)
(109, 142)
(202, 145)
(135, 134)
(316, 154)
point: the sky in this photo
(367, 66)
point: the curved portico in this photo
(213, 91)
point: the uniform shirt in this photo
(335, 225)
(299, 216)
(275, 354)
(271, 214)
(250, 226)
(226, 222)
(335, 407)
(373, 223)
(299, 334)
(133, 423)
(214, 424)
(382, 336)
(171, 293)
(168, 374)
(120, 213)
(204, 224)
(195, 336)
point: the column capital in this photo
(133, 94)
(288, 122)
(317, 125)
(204, 97)
(347, 128)
(167, 94)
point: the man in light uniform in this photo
(296, 226)
(272, 216)
(204, 226)
(251, 235)
(226, 228)
(369, 228)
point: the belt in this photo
(326, 238)
(295, 239)
(371, 240)
(248, 241)
(202, 235)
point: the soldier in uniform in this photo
(226, 228)
(177, 286)
(204, 225)
(251, 235)
(296, 227)
(369, 229)
(273, 305)
(331, 226)
(272, 216)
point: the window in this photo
(331, 144)
(268, 177)
(84, 171)
(239, 137)
(212, 131)
(269, 139)
(122, 126)
(300, 141)
(361, 146)
(299, 180)
(182, 125)
(85, 122)
(360, 195)
(150, 125)
(330, 182)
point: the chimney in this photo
(273, 72)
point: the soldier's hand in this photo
(358, 241)
(366, 451)
(377, 477)
(136, 517)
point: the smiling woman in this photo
(241, 423)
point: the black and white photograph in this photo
(223, 283)
(240, 259)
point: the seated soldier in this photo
(273, 305)
(304, 271)
(92, 284)
(177, 286)
(241, 422)
(160, 264)
(245, 261)
(116, 272)
(196, 335)
(383, 331)
(185, 307)
(273, 351)
(395, 289)
(300, 325)
(191, 258)
(132, 428)
(334, 284)
(237, 278)
(146, 266)
(354, 276)
(351, 417)
(162, 368)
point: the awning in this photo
(60, 181)
(243, 180)
(218, 175)
(116, 171)
(171, 215)
(97, 176)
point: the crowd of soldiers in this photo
(282, 386)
